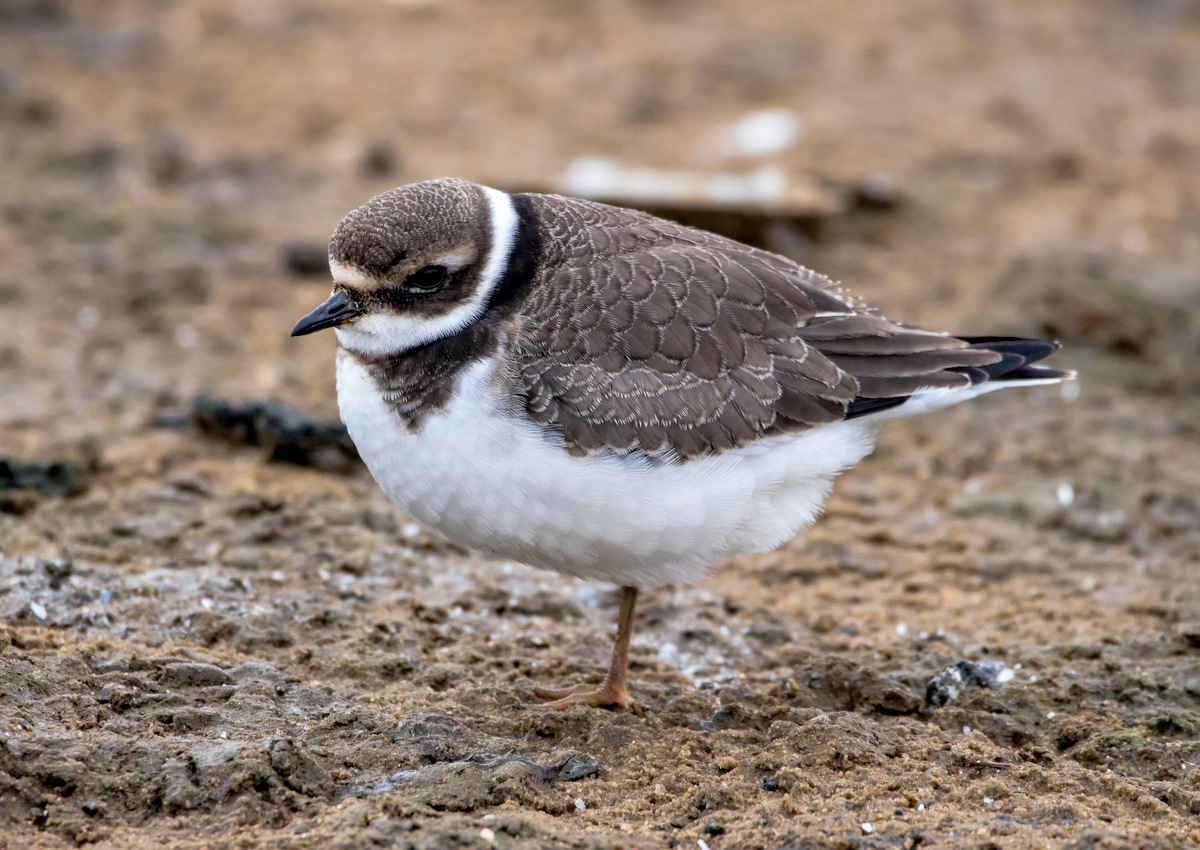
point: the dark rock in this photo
(379, 160)
(304, 259)
(166, 159)
(289, 435)
(18, 502)
(877, 192)
(58, 570)
(49, 478)
(37, 111)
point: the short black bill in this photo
(336, 310)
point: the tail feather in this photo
(1014, 368)
(1016, 355)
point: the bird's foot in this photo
(608, 695)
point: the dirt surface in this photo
(201, 648)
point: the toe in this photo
(560, 693)
(604, 697)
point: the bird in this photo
(610, 395)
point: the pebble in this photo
(194, 674)
(1189, 631)
(304, 259)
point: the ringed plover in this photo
(600, 392)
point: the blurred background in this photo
(172, 170)
(240, 645)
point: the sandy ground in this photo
(200, 648)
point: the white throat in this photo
(379, 334)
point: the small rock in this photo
(48, 478)
(824, 624)
(876, 191)
(166, 160)
(1021, 504)
(1190, 632)
(194, 675)
(577, 766)
(953, 678)
(188, 719)
(18, 502)
(304, 259)
(258, 671)
(58, 570)
(379, 160)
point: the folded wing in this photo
(647, 336)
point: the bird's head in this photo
(413, 265)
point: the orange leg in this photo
(612, 691)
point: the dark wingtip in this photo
(1016, 355)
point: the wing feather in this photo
(642, 335)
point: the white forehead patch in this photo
(382, 334)
(347, 275)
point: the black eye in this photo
(428, 279)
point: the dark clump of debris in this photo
(953, 678)
(304, 259)
(288, 434)
(23, 482)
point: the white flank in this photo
(495, 482)
(384, 334)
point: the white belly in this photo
(499, 484)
